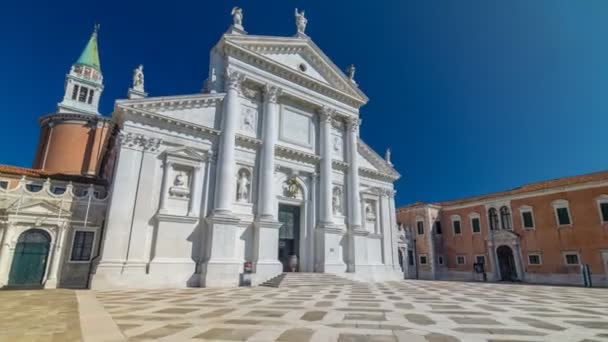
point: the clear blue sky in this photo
(472, 96)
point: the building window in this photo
(505, 218)
(420, 227)
(82, 96)
(440, 260)
(438, 228)
(475, 225)
(602, 203)
(571, 258)
(480, 259)
(460, 260)
(58, 190)
(562, 213)
(410, 257)
(75, 91)
(493, 216)
(33, 187)
(456, 225)
(423, 259)
(534, 259)
(527, 218)
(4, 184)
(82, 246)
(91, 93)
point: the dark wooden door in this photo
(29, 260)
(289, 233)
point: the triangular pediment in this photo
(302, 56)
(370, 160)
(36, 207)
(185, 152)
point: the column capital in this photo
(272, 93)
(234, 79)
(352, 124)
(326, 114)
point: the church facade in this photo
(265, 166)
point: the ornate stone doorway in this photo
(506, 263)
(289, 235)
(30, 258)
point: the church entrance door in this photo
(506, 263)
(29, 260)
(289, 236)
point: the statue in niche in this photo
(138, 78)
(180, 185)
(291, 188)
(369, 212)
(336, 201)
(242, 187)
(237, 17)
(301, 22)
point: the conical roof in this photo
(90, 54)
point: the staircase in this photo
(298, 279)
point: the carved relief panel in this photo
(179, 184)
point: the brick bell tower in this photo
(73, 140)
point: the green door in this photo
(29, 260)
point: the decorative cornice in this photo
(168, 120)
(314, 55)
(138, 142)
(172, 102)
(51, 119)
(294, 154)
(292, 75)
(339, 165)
(386, 170)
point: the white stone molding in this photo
(234, 80)
(138, 142)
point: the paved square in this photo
(393, 311)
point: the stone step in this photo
(298, 279)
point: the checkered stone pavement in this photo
(394, 311)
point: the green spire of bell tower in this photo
(90, 54)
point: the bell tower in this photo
(74, 139)
(84, 82)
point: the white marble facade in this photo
(199, 179)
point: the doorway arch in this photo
(30, 258)
(506, 263)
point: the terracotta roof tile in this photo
(24, 171)
(543, 185)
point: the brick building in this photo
(538, 233)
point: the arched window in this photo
(493, 215)
(505, 218)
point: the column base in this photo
(50, 284)
(267, 265)
(331, 241)
(225, 265)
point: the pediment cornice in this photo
(350, 97)
(385, 169)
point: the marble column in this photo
(268, 208)
(267, 227)
(225, 178)
(51, 281)
(196, 191)
(326, 211)
(164, 193)
(330, 253)
(225, 263)
(5, 254)
(354, 200)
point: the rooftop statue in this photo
(138, 78)
(237, 18)
(301, 22)
(351, 72)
